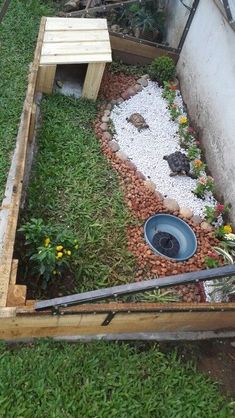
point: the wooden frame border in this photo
(18, 319)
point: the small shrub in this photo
(49, 250)
(162, 69)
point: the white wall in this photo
(206, 70)
(176, 18)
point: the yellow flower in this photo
(47, 242)
(183, 120)
(54, 272)
(59, 248)
(59, 255)
(69, 252)
(76, 247)
(228, 229)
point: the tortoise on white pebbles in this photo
(179, 164)
(138, 121)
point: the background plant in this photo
(204, 184)
(162, 69)
(193, 152)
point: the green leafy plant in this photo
(204, 184)
(175, 111)
(193, 152)
(49, 251)
(211, 260)
(198, 167)
(212, 213)
(162, 69)
(226, 285)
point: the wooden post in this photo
(46, 77)
(93, 80)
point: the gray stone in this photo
(131, 165)
(105, 119)
(107, 136)
(196, 219)
(113, 145)
(122, 156)
(186, 212)
(115, 28)
(120, 100)
(71, 5)
(171, 204)
(150, 185)
(138, 88)
(104, 126)
(107, 112)
(159, 196)
(206, 226)
(109, 106)
(142, 81)
(140, 175)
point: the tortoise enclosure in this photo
(18, 317)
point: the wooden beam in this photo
(13, 192)
(46, 77)
(78, 324)
(16, 295)
(93, 79)
(104, 8)
(132, 47)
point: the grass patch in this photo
(18, 34)
(79, 190)
(104, 381)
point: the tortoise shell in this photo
(138, 121)
(178, 162)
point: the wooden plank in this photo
(46, 77)
(132, 47)
(66, 23)
(32, 122)
(16, 295)
(14, 268)
(76, 36)
(76, 48)
(41, 325)
(14, 185)
(93, 79)
(75, 59)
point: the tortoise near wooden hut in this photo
(179, 164)
(138, 121)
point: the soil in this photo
(216, 358)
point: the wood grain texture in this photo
(16, 173)
(68, 24)
(93, 79)
(42, 325)
(46, 76)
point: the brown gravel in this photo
(113, 85)
(143, 203)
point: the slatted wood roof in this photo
(74, 41)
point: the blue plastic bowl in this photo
(175, 226)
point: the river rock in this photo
(171, 204)
(186, 212)
(113, 145)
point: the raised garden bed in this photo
(82, 193)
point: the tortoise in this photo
(178, 163)
(138, 121)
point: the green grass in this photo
(18, 34)
(79, 190)
(103, 380)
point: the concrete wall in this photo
(206, 70)
(176, 18)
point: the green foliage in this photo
(104, 380)
(162, 69)
(198, 167)
(50, 251)
(80, 193)
(204, 184)
(117, 67)
(212, 213)
(211, 262)
(18, 35)
(226, 285)
(193, 152)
